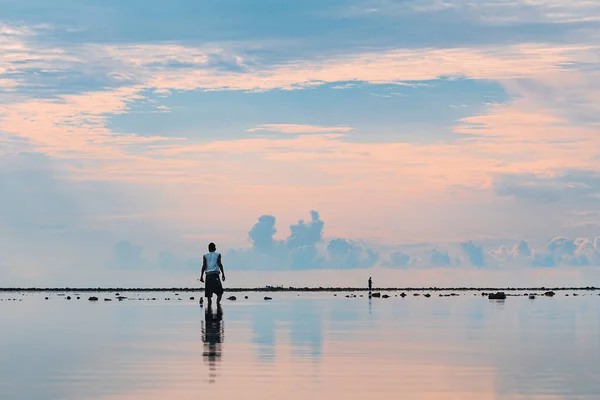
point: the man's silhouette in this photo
(211, 264)
(370, 284)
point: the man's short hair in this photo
(212, 246)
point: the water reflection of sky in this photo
(308, 346)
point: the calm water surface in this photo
(299, 346)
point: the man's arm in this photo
(221, 266)
(203, 269)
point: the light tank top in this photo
(212, 264)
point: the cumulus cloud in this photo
(261, 234)
(304, 248)
(398, 259)
(474, 253)
(440, 258)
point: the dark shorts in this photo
(213, 285)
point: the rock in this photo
(575, 294)
(192, 298)
(93, 298)
(385, 296)
(121, 298)
(567, 294)
(531, 297)
(441, 295)
(232, 298)
(362, 295)
(376, 295)
(427, 295)
(78, 297)
(549, 293)
(497, 296)
(46, 298)
(117, 294)
(402, 294)
(416, 294)
(245, 297)
(154, 298)
(107, 299)
(334, 295)
(68, 297)
(454, 294)
(268, 298)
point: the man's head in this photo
(212, 247)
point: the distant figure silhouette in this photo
(212, 336)
(211, 264)
(370, 284)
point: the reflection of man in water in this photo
(212, 336)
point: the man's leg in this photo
(219, 296)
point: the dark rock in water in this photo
(268, 298)
(347, 296)
(68, 297)
(376, 295)
(232, 298)
(107, 299)
(416, 294)
(497, 296)
(484, 294)
(567, 294)
(362, 295)
(549, 293)
(427, 295)
(78, 297)
(154, 298)
(334, 295)
(454, 294)
(531, 296)
(121, 298)
(46, 298)
(385, 296)
(93, 298)
(402, 294)
(192, 298)
(117, 294)
(575, 294)
(245, 297)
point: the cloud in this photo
(439, 258)
(579, 185)
(295, 128)
(261, 234)
(474, 252)
(398, 260)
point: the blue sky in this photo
(426, 134)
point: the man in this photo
(211, 264)
(370, 284)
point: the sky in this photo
(423, 140)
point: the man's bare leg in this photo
(219, 298)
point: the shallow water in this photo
(299, 346)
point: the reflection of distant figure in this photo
(212, 336)
(370, 284)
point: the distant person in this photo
(370, 284)
(211, 264)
